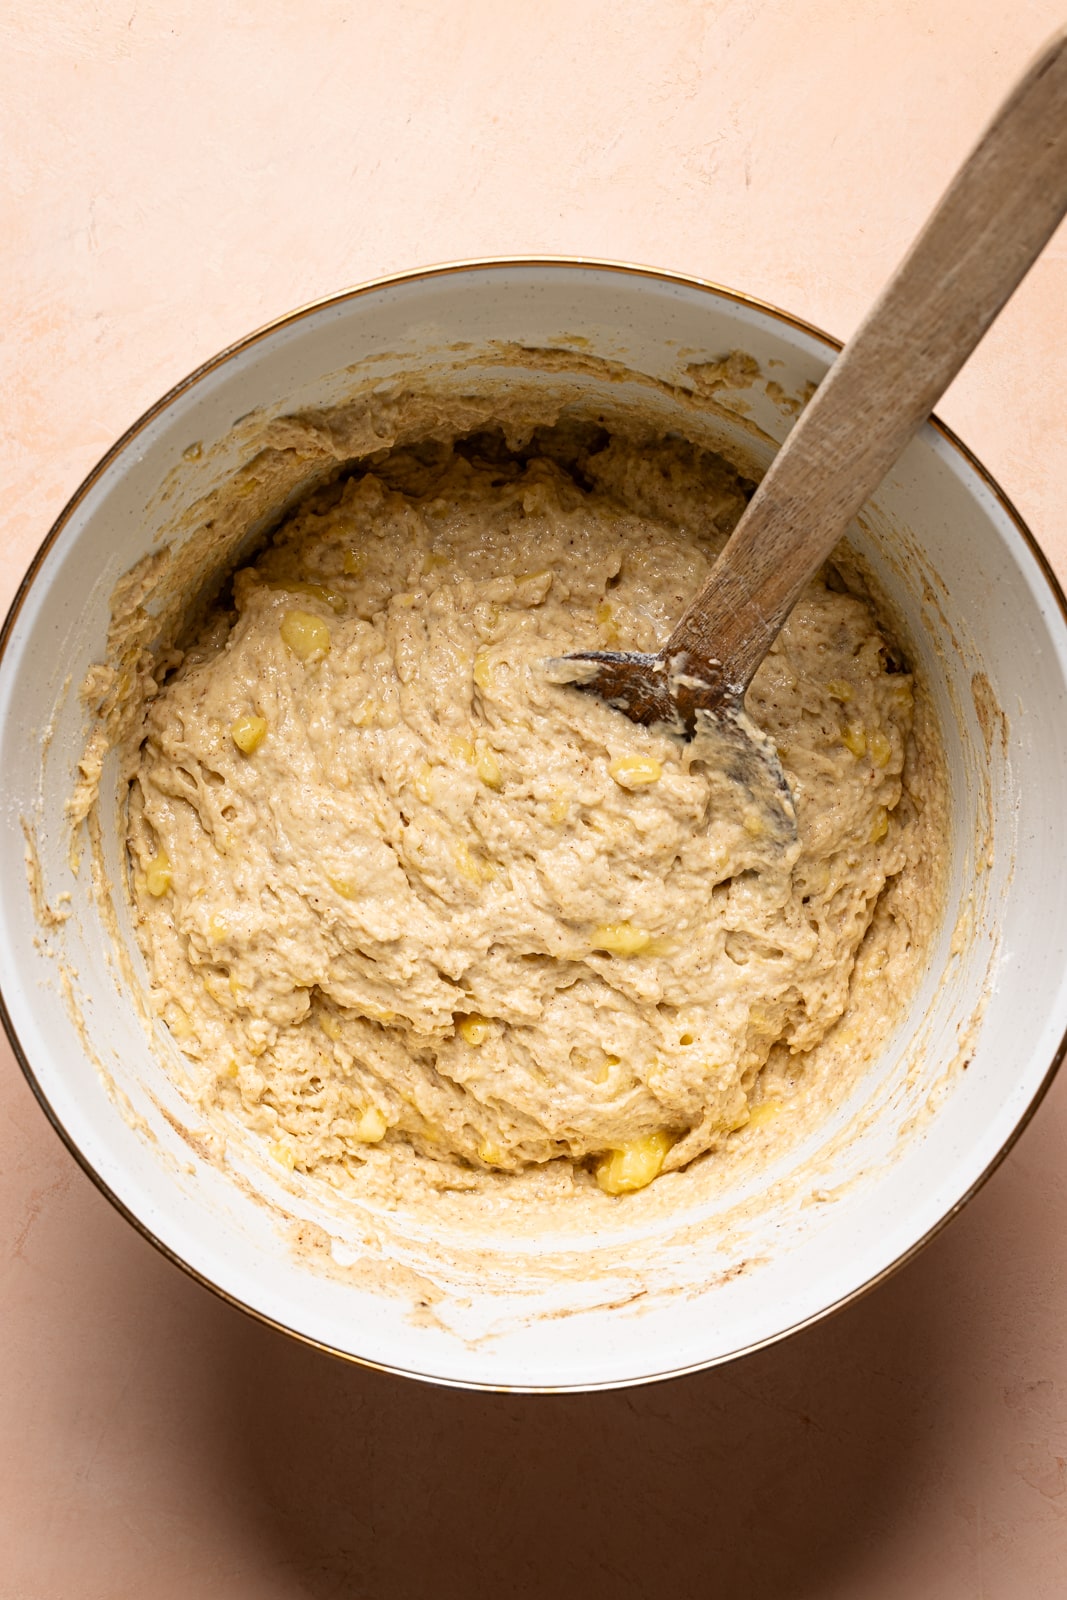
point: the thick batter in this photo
(397, 890)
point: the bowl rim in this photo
(222, 358)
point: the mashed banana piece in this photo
(418, 897)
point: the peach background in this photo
(174, 174)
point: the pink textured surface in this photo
(174, 174)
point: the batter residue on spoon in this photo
(396, 890)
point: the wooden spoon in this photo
(983, 237)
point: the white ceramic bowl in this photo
(738, 1269)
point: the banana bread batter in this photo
(398, 891)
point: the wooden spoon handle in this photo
(1000, 210)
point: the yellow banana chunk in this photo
(305, 634)
(248, 732)
(634, 1165)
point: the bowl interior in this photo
(735, 1266)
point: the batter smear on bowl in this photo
(398, 892)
